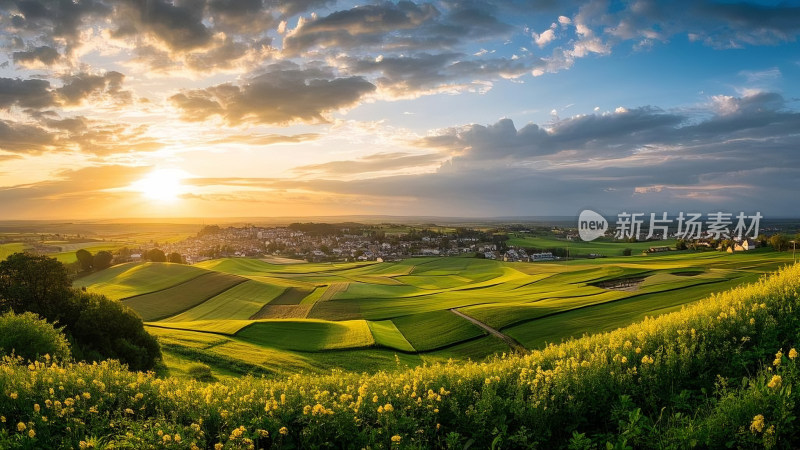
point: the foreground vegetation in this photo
(718, 373)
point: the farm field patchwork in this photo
(360, 315)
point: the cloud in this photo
(544, 38)
(284, 93)
(265, 139)
(362, 25)
(32, 93)
(378, 162)
(37, 94)
(82, 86)
(24, 138)
(85, 192)
(43, 55)
(176, 27)
(424, 73)
(642, 158)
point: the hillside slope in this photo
(685, 378)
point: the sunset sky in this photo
(211, 108)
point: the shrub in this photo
(31, 337)
(201, 372)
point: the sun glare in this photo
(163, 185)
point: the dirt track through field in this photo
(516, 346)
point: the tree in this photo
(99, 328)
(33, 283)
(779, 242)
(102, 260)
(85, 259)
(155, 255)
(175, 257)
(626, 252)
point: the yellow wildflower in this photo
(217, 446)
(166, 438)
(396, 438)
(177, 438)
(775, 382)
(31, 433)
(778, 357)
(36, 407)
(13, 396)
(758, 424)
(284, 431)
(2, 419)
(388, 407)
(21, 427)
(792, 354)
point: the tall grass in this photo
(684, 378)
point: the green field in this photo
(577, 247)
(182, 297)
(358, 315)
(126, 280)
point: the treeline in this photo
(105, 259)
(95, 327)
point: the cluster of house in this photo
(345, 244)
(519, 255)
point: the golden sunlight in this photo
(162, 185)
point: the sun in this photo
(163, 185)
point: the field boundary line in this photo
(513, 343)
(174, 285)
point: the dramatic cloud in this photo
(82, 86)
(284, 93)
(43, 55)
(25, 93)
(38, 94)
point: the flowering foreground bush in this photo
(718, 373)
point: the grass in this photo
(239, 302)
(308, 335)
(10, 248)
(385, 333)
(599, 247)
(129, 279)
(429, 331)
(181, 297)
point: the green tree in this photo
(85, 259)
(175, 257)
(34, 283)
(155, 255)
(109, 329)
(779, 242)
(99, 328)
(102, 260)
